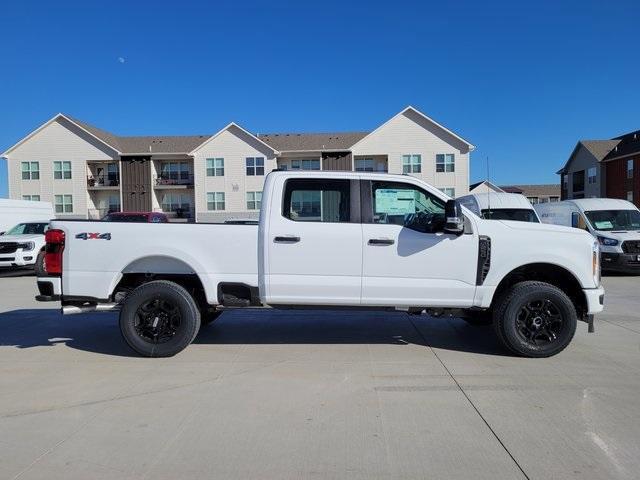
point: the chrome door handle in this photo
(381, 241)
(286, 239)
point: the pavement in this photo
(331, 395)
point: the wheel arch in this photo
(550, 273)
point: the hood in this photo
(22, 238)
(541, 227)
(619, 235)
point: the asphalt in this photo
(330, 395)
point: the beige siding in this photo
(410, 133)
(58, 141)
(583, 160)
(234, 146)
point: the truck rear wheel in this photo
(535, 319)
(159, 319)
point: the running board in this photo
(97, 307)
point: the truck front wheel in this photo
(535, 319)
(159, 319)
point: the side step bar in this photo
(96, 307)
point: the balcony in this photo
(107, 181)
(171, 181)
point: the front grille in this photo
(7, 259)
(8, 247)
(631, 246)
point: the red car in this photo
(136, 217)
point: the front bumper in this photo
(18, 259)
(620, 262)
(595, 299)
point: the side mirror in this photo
(454, 219)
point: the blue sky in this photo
(523, 81)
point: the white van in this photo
(13, 212)
(500, 206)
(615, 223)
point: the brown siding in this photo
(336, 161)
(617, 183)
(135, 174)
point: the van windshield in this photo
(28, 229)
(608, 220)
(517, 214)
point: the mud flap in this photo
(591, 328)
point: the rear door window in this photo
(313, 200)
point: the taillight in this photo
(53, 252)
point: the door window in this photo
(317, 201)
(407, 205)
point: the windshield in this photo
(608, 220)
(28, 229)
(125, 218)
(517, 214)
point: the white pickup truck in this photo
(331, 239)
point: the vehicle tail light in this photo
(53, 252)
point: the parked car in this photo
(338, 240)
(615, 223)
(136, 217)
(13, 212)
(500, 206)
(23, 246)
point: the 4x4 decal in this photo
(93, 236)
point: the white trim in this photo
(232, 124)
(410, 108)
(49, 122)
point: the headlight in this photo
(595, 261)
(26, 246)
(609, 242)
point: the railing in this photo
(103, 180)
(163, 180)
(175, 212)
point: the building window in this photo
(554, 198)
(445, 162)
(63, 203)
(30, 171)
(254, 200)
(591, 175)
(411, 164)
(308, 164)
(175, 172)
(215, 201)
(255, 166)
(179, 203)
(31, 198)
(215, 167)
(364, 164)
(61, 170)
(630, 196)
(449, 191)
(630, 168)
(114, 203)
(533, 200)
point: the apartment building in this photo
(87, 172)
(604, 168)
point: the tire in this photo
(535, 319)
(209, 317)
(479, 318)
(159, 319)
(39, 265)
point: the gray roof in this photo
(599, 148)
(184, 144)
(542, 190)
(284, 142)
(144, 144)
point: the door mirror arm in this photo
(454, 219)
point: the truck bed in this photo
(97, 254)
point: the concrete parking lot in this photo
(291, 395)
